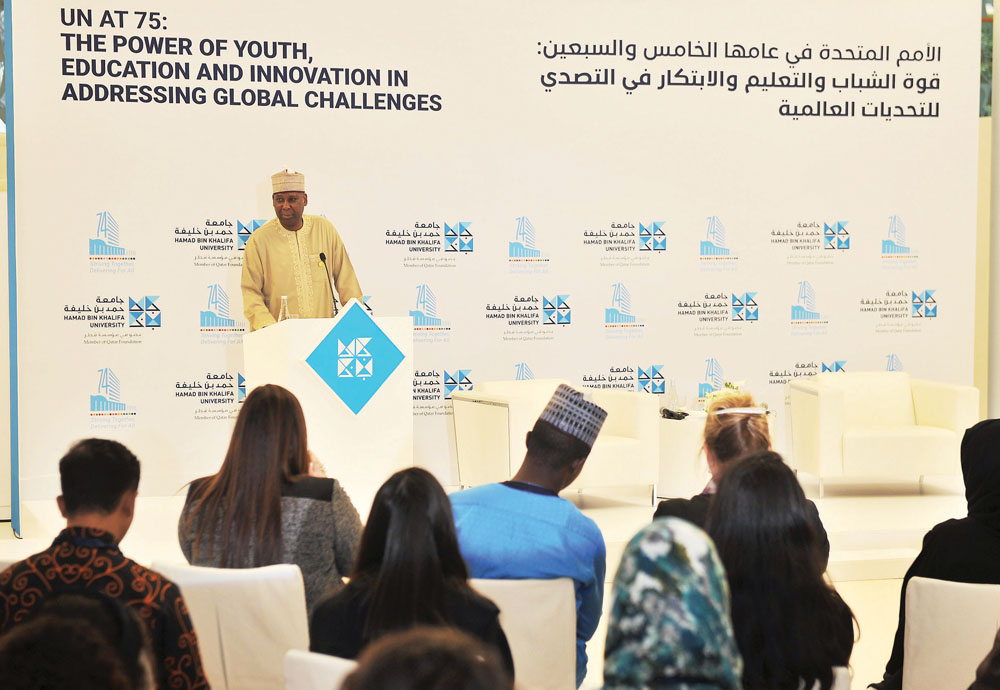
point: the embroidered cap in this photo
(286, 181)
(569, 411)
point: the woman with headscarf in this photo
(670, 623)
(965, 550)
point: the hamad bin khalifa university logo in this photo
(652, 238)
(144, 313)
(458, 238)
(745, 306)
(244, 230)
(924, 304)
(107, 401)
(457, 380)
(836, 236)
(556, 311)
(650, 379)
(105, 245)
(355, 358)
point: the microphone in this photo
(329, 282)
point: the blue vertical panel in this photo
(15, 489)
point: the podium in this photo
(352, 375)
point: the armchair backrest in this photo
(246, 620)
(531, 395)
(539, 619)
(873, 398)
(949, 629)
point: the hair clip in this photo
(743, 410)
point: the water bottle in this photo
(283, 312)
(673, 399)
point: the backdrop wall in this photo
(619, 194)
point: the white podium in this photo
(352, 374)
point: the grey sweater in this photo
(320, 530)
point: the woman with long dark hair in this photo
(409, 571)
(791, 626)
(263, 507)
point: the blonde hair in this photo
(733, 436)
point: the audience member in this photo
(965, 550)
(262, 507)
(49, 653)
(100, 480)
(426, 658)
(522, 528)
(670, 625)
(734, 428)
(409, 571)
(792, 627)
(116, 623)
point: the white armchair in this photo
(246, 620)
(949, 629)
(491, 423)
(878, 424)
(539, 619)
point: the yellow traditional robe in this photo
(278, 262)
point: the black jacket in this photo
(966, 550)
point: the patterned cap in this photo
(569, 411)
(286, 181)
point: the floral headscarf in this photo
(670, 624)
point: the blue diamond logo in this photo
(355, 358)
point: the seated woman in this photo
(670, 625)
(965, 550)
(792, 627)
(409, 572)
(263, 507)
(734, 428)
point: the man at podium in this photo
(294, 255)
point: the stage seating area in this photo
(875, 532)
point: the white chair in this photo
(311, 671)
(491, 423)
(878, 424)
(950, 627)
(245, 619)
(539, 619)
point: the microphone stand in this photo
(329, 282)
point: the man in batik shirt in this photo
(100, 481)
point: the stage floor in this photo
(875, 532)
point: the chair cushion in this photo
(907, 451)
(873, 398)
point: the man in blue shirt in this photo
(522, 529)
